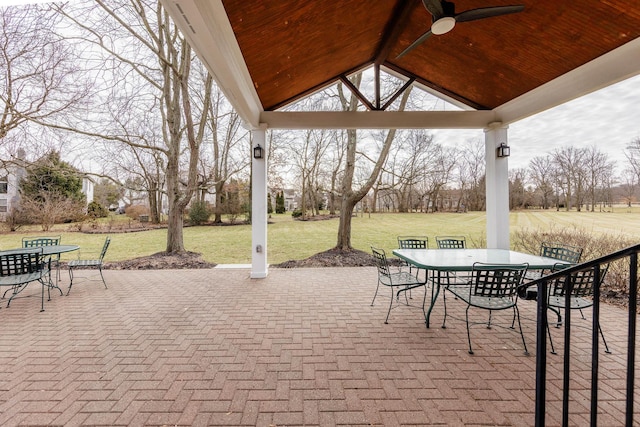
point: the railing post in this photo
(566, 375)
(541, 354)
(631, 345)
(595, 346)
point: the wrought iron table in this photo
(453, 260)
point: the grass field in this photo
(289, 239)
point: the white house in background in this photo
(10, 177)
(87, 188)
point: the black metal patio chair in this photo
(34, 242)
(398, 281)
(19, 267)
(561, 252)
(579, 287)
(89, 263)
(414, 242)
(451, 242)
(493, 288)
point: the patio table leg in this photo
(435, 285)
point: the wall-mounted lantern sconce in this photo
(503, 150)
(257, 152)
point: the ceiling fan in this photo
(444, 18)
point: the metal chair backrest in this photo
(561, 252)
(413, 242)
(381, 262)
(496, 281)
(451, 242)
(25, 261)
(582, 283)
(40, 241)
(105, 247)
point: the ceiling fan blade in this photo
(415, 44)
(487, 12)
(434, 7)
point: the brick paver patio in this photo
(302, 347)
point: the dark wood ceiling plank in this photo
(294, 47)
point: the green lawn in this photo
(289, 239)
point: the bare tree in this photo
(597, 169)
(350, 196)
(632, 153)
(541, 172)
(572, 175)
(308, 154)
(138, 43)
(41, 80)
(229, 146)
(407, 166)
(441, 165)
(334, 166)
(628, 186)
(517, 192)
(471, 174)
(49, 208)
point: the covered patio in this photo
(497, 71)
(303, 348)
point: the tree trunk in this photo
(218, 209)
(153, 205)
(344, 227)
(175, 242)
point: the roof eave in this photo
(207, 29)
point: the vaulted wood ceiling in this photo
(294, 47)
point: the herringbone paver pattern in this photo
(301, 347)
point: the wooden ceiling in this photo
(294, 47)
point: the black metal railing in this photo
(541, 349)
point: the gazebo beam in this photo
(377, 119)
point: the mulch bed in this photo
(162, 260)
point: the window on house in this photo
(3, 205)
(4, 185)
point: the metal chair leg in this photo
(70, 280)
(386, 321)
(372, 301)
(444, 301)
(103, 281)
(604, 341)
(468, 332)
(553, 350)
(524, 343)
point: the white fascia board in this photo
(205, 25)
(613, 67)
(377, 119)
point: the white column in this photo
(259, 267)
(497, 188)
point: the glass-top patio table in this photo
(451, 260)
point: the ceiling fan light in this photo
(443, 25)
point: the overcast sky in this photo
(608, 118)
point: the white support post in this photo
(259, 267)
(497, 188)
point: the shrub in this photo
(96, 210)
(199, 213)
(297, 213)
(15, 219)
(595, 245)
(134, 211)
